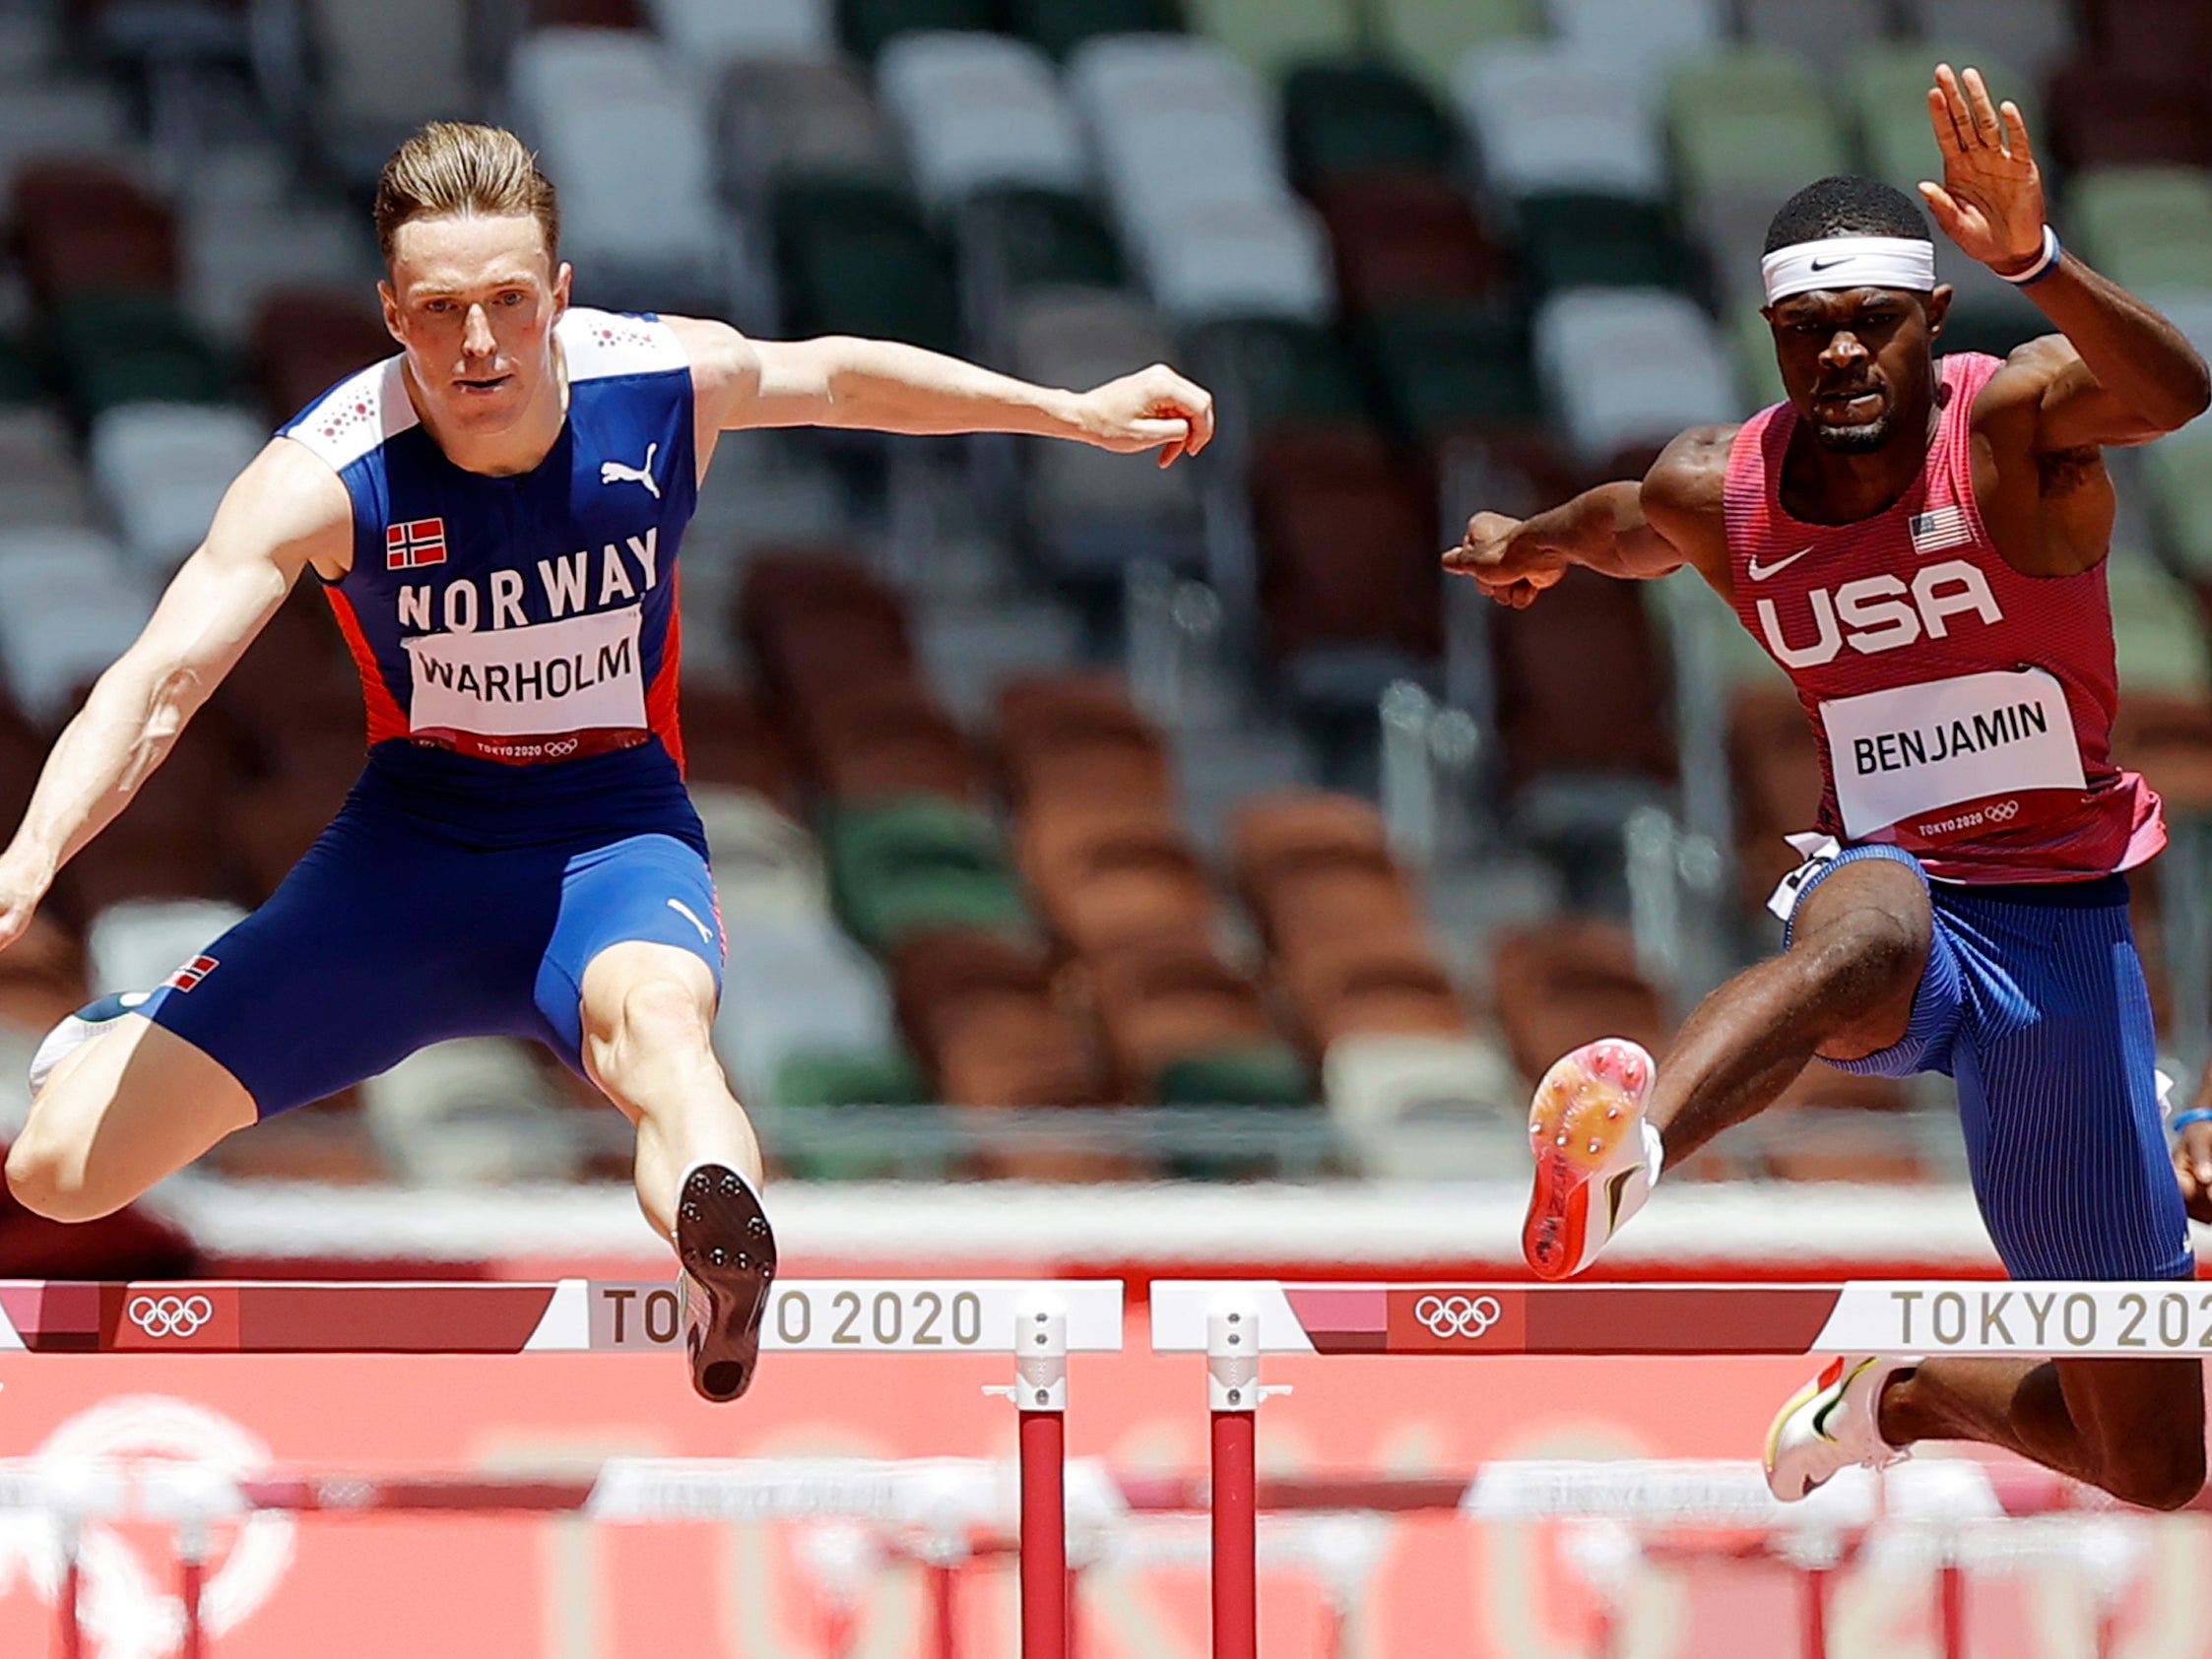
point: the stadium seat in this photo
(1887, 87)
(1062, 25)
(2158, 635)
(1093, 512)
(1349, 120)
(1361, 988)
(1567, 983)
(236, 256)
(1557, 719)
(887, 738)
(41, 481)
(1546, 120)
(1814, 34)
(858, 258)
(2038, 36)
(1774, 765)
(1407, 238)
(912, 866)
(1429, 37)
(124, 347)
(1176, 1001)
(2179, 472)
(1646, 37)
(707, 37)
(304, 340)
(1751, 120)
(1576, 241)
(782, 122)
(1446, 370)
(2171, 39)
(980, 113)
(622, 131)
(138, 943)
(70, 604)
(2103, 116)
(1272, 35)
(1234, 261)
(1426, 1107)
(88, 225)
(1630, 367)
(1124, 886)
(470, 1112)
(729, 743)
(869, 25)
(796, 986)
(1043, 238)
(764, 864)
(2147, 228)
(163, 468)
(1079, 733)
(380, 73)
(41, 119)
(1265, 1071)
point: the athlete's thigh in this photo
(130, 1108)
(1869, 914)
(641, 890)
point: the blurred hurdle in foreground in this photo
(1233, 1322)
(1039, 1324)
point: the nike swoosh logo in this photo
(1825, 264)
(1759, 572)
(1616, 1190)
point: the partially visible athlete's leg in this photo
(2134, 1427)
(128, 1109)
(648, 1023)
(1842, 989)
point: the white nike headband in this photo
(1849, 262)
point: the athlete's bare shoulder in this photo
(1684, 494)
(289, 507)
(725, 367)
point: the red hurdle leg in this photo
(1819, 1580)
(1040, 1364)
(945, 1610)
(1950, 1583)
(1236, 1589)
(71, 1632)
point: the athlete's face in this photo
(1856, 362)
(472, 301)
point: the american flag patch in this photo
(415, 544)
(193, 973)
(1946, 526)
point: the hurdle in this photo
(1235, 1322)
(1038, 1323)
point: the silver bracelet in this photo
(2043, 267)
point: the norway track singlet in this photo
(509, 628)
(1962, 711)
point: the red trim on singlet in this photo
(661, 696)
(385, 719)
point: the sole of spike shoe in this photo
(728, 1254)
(1585, 1132)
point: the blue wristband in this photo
(2196, 1114)
(2052, 251)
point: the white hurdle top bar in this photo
(568, 1317)
(1864, 1316)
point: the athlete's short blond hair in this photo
(456, 170)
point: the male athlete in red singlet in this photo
(1920, 542)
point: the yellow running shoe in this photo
(1596, 1157)
(1830, 1424)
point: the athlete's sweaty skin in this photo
(2116, 372)
(472, 301)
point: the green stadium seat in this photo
(2158, 633)
(858, 258)
(1293, 374)
(1273, 36)
(2146, 227)
(18, 378)
(921, 864)
(1265, 1073)
(807, 1084)
(1048, 238)
(1448, 369)
(1341, 120)
(1430, 36)
(132, 348)
(1887, 87)
(2178, 470)
(1061, 25)
(1573, 240)
(1751, 346)
(1751, 120)
(867, 25)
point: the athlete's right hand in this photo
(1508, 564)
(21, 891)
(2192, 1168)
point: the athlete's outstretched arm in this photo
(284, 510)
(2118, 372)
(1633, 531)
(880, 385)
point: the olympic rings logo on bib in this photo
(2001, 811)
(1458, 1315)
(170, 1315)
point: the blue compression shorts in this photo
(402, 927)
(2032, 1000)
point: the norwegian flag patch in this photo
(1945, 527)
(193, 973)
(415, 544)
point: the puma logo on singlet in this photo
(614, 472)
(689, 914)
(1760, 572)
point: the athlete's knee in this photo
(2159, 1471)
(656, 1019)
(46, 1176)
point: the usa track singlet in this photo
(523, 622)
(1962, 711)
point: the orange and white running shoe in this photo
(1596, 1157)
(1829, 1425)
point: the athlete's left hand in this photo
(1153, 409)
(1990, 201)
(2192, 1168)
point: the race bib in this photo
(544, 692)
(1903, 756)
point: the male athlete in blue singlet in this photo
(496, 515)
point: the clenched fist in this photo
(1507, 563)
(1153, 409)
